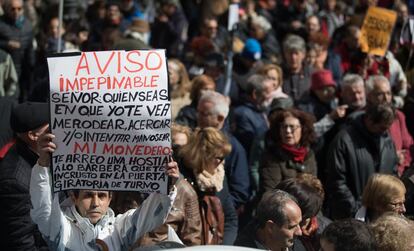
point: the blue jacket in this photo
(247, 123)
(237, 172)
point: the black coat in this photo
(297, 85)
(6, 133)
(17, 230)
(169, 35)
(188, 115)
(311, 104)
(353, 157)
(247, 237)
(23, 57)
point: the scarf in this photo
(309, 236)
(211, 182)
(298, 153)
(5, 149)
(312, 227)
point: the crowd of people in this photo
(286, 135)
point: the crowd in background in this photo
(287, 134)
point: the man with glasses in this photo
(16, 35)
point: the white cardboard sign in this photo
(110, 113)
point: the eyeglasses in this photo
(290, 127)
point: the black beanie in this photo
(29, 116)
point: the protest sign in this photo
(376, 30)
(110, 113)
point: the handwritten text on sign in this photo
(111, 116)
(376, 30)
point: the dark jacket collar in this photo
(24, 151)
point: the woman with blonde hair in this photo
(383, 193)
(180, 135)
(275, 74)
(205, 154)
(185, 219)
(179, 86)
(393, 232)
(202, 164)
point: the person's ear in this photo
(254, 95)
(32, 135)
(72, 196)
(269, 226)
(220, 118)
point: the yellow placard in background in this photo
(376, 30)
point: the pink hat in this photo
(322, 78)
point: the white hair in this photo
(221, 104)
(294, 43)
(351, 79)
(262, 22)
(370, 83)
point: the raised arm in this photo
(152, 213)
(46, 212)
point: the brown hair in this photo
(312, 181)
(318, 39)
(308, 197)
(198, 84)
(306, 121)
